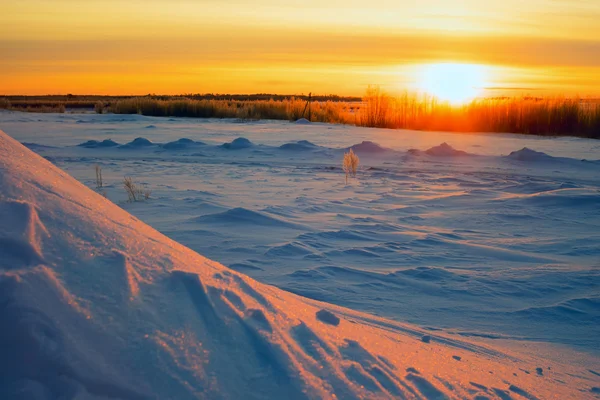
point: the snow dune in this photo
(368, 147)
(96, 304)
(94, 144)
(526, 154)
(442, 150)
(239, 143)
(301, 145)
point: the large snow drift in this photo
(96, 304)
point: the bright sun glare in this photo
(452, 82)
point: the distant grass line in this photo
(527, 115)
(43, 105)
(89, 100)
(289, 109)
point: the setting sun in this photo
(452, 82)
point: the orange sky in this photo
(320, 46)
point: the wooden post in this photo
(307, 105)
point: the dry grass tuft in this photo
(99, 181)
(135, 191)
(350, 164)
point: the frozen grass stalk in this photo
(99, 181)
(135, 192)
(350, 164)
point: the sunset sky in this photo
(319, 46)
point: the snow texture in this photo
(98, 304)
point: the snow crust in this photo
(96, 304)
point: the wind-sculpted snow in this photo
(96, 304)
(239, 143)
(575, 311)
(21, 234)
(280, 211)
(182, 144)
(581, 199)
(443, 150)
(138, 143)
(242, 216)
(368, 147)
(301, 145)
(95, 144)
(479, 247)
(526, 154)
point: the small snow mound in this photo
(239, 143)
(445, 150)
(299, 146)
(526, 154)
(327, 317)
(368, 147)
(302, 121)
(95, 144)
(138, 143)
(183, 143)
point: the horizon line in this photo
(347, 97)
